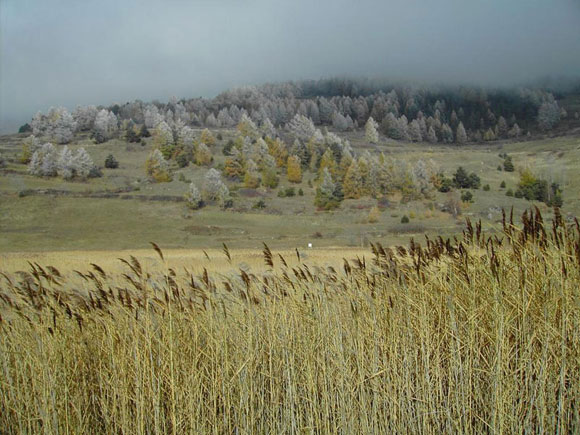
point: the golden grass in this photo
(482, 335)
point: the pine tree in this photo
(294, 170)
(193, 197)
(111, 162)
(371, 133)
(213, 188)
(247, 128)
(431, 136)
(415, 131)
(461, 135)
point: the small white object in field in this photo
(310, 245)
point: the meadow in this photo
(475, 335)
(123, 210)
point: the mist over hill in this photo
(65, 53)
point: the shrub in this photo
(467, 196)
(374, 215)
(182, 160)
(509, 193)
(405, 219)
(508, 164)
(502, 185)
(499, 168)
(486, 188)
(111, 162)
(259, 204)
(300, 192)
(519, 193)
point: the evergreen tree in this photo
(193, 197)
(371, 133)
(431, 136)
(461, 135)
(111, 162)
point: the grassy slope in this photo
(40, 223)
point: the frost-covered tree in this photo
(85, 117)
(371, 133)
(548, 115)
(193, 197)
(152, 117)
(44, 161)
(65, 163)
(58, 124)
(247, 128)
(446, 134)
(415, 131)
(301, 127)
(106, 126)
(214, 189)
(83, 163)
(203, 155)
(515, 131)
(431, 135)
(461, 135)
(268, 128)
(163, 139)
(502, 127)
(340, 122)
(157, 167)
(327, 186)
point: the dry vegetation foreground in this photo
(479, 335)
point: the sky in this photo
(71, 52)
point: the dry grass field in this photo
(475, 336)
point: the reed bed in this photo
(474, 335)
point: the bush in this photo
(374, 215)
(111, 162)
(227, 149)
(486, 188)
(499, 168)
(300, 192)
(405, 219)
(26, 128)
(445, 184)
(95, 172)
(462, 180)
(286, 192)
(509, 193)
(508, 164)
(467, 196)
(502, 185)
(261, 204)
(519, 194)
(182, 160)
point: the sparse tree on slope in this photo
(461, 135)
(294, 169)
(371, 133)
